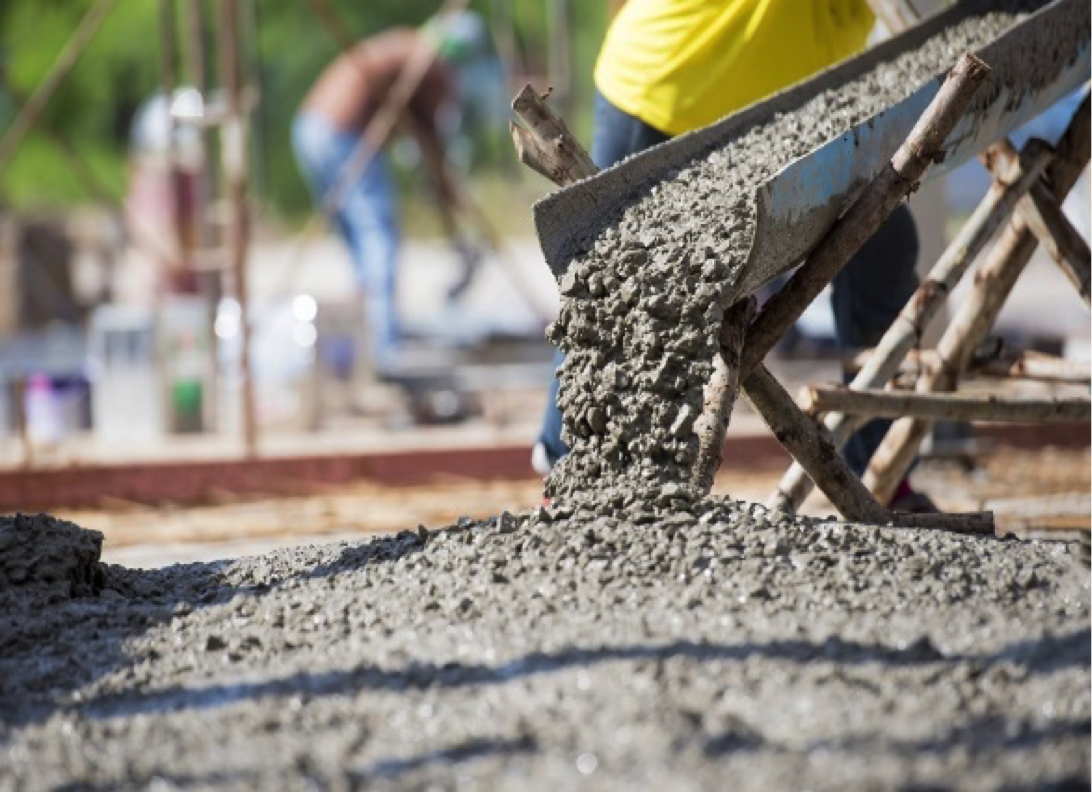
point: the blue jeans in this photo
(367, 220)
(866, 296)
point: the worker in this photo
(334, 120)
(671, 66)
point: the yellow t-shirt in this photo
(682, 64)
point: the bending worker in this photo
(671, 66)
(347, 97)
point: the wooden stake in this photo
(546, 145)
(901, 177)
(993, 283)
(233, 153)
(722, 392)
(906, 331)
(809, 444)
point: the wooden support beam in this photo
(1026, 365)
(1044, 217)
(921, 149)
(974, 319)
(903, 174)
(545, 144)
(809, 444)
(1064, 243)
(958, 522)
(721, 393)
(875, 403)
(906, 331)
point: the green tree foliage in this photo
(286, 47)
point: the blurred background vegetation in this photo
(79, 145)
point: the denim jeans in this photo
(367, 220)
(866, 296)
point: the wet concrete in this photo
(644, 297)
(44, 560)
(629, 636)
(724, 647)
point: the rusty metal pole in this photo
(234, 162)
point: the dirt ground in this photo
(1029, 491)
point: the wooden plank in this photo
(875, 403)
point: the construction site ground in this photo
(1030, 492)
(1024, 485)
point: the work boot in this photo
(906, 499)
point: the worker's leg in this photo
(867, 296)
(366, 220)
(617, 135)
(369, 213)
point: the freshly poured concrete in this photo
(723, 648)
(629, 636)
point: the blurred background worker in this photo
(670, 66)
(339, 140)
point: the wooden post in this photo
(234, 157)
(876, 403)
(907, 329)
(546, 145)
(993, 283)
(921, 149)
(809, 444)
(721, 394)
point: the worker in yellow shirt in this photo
(671, 66)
